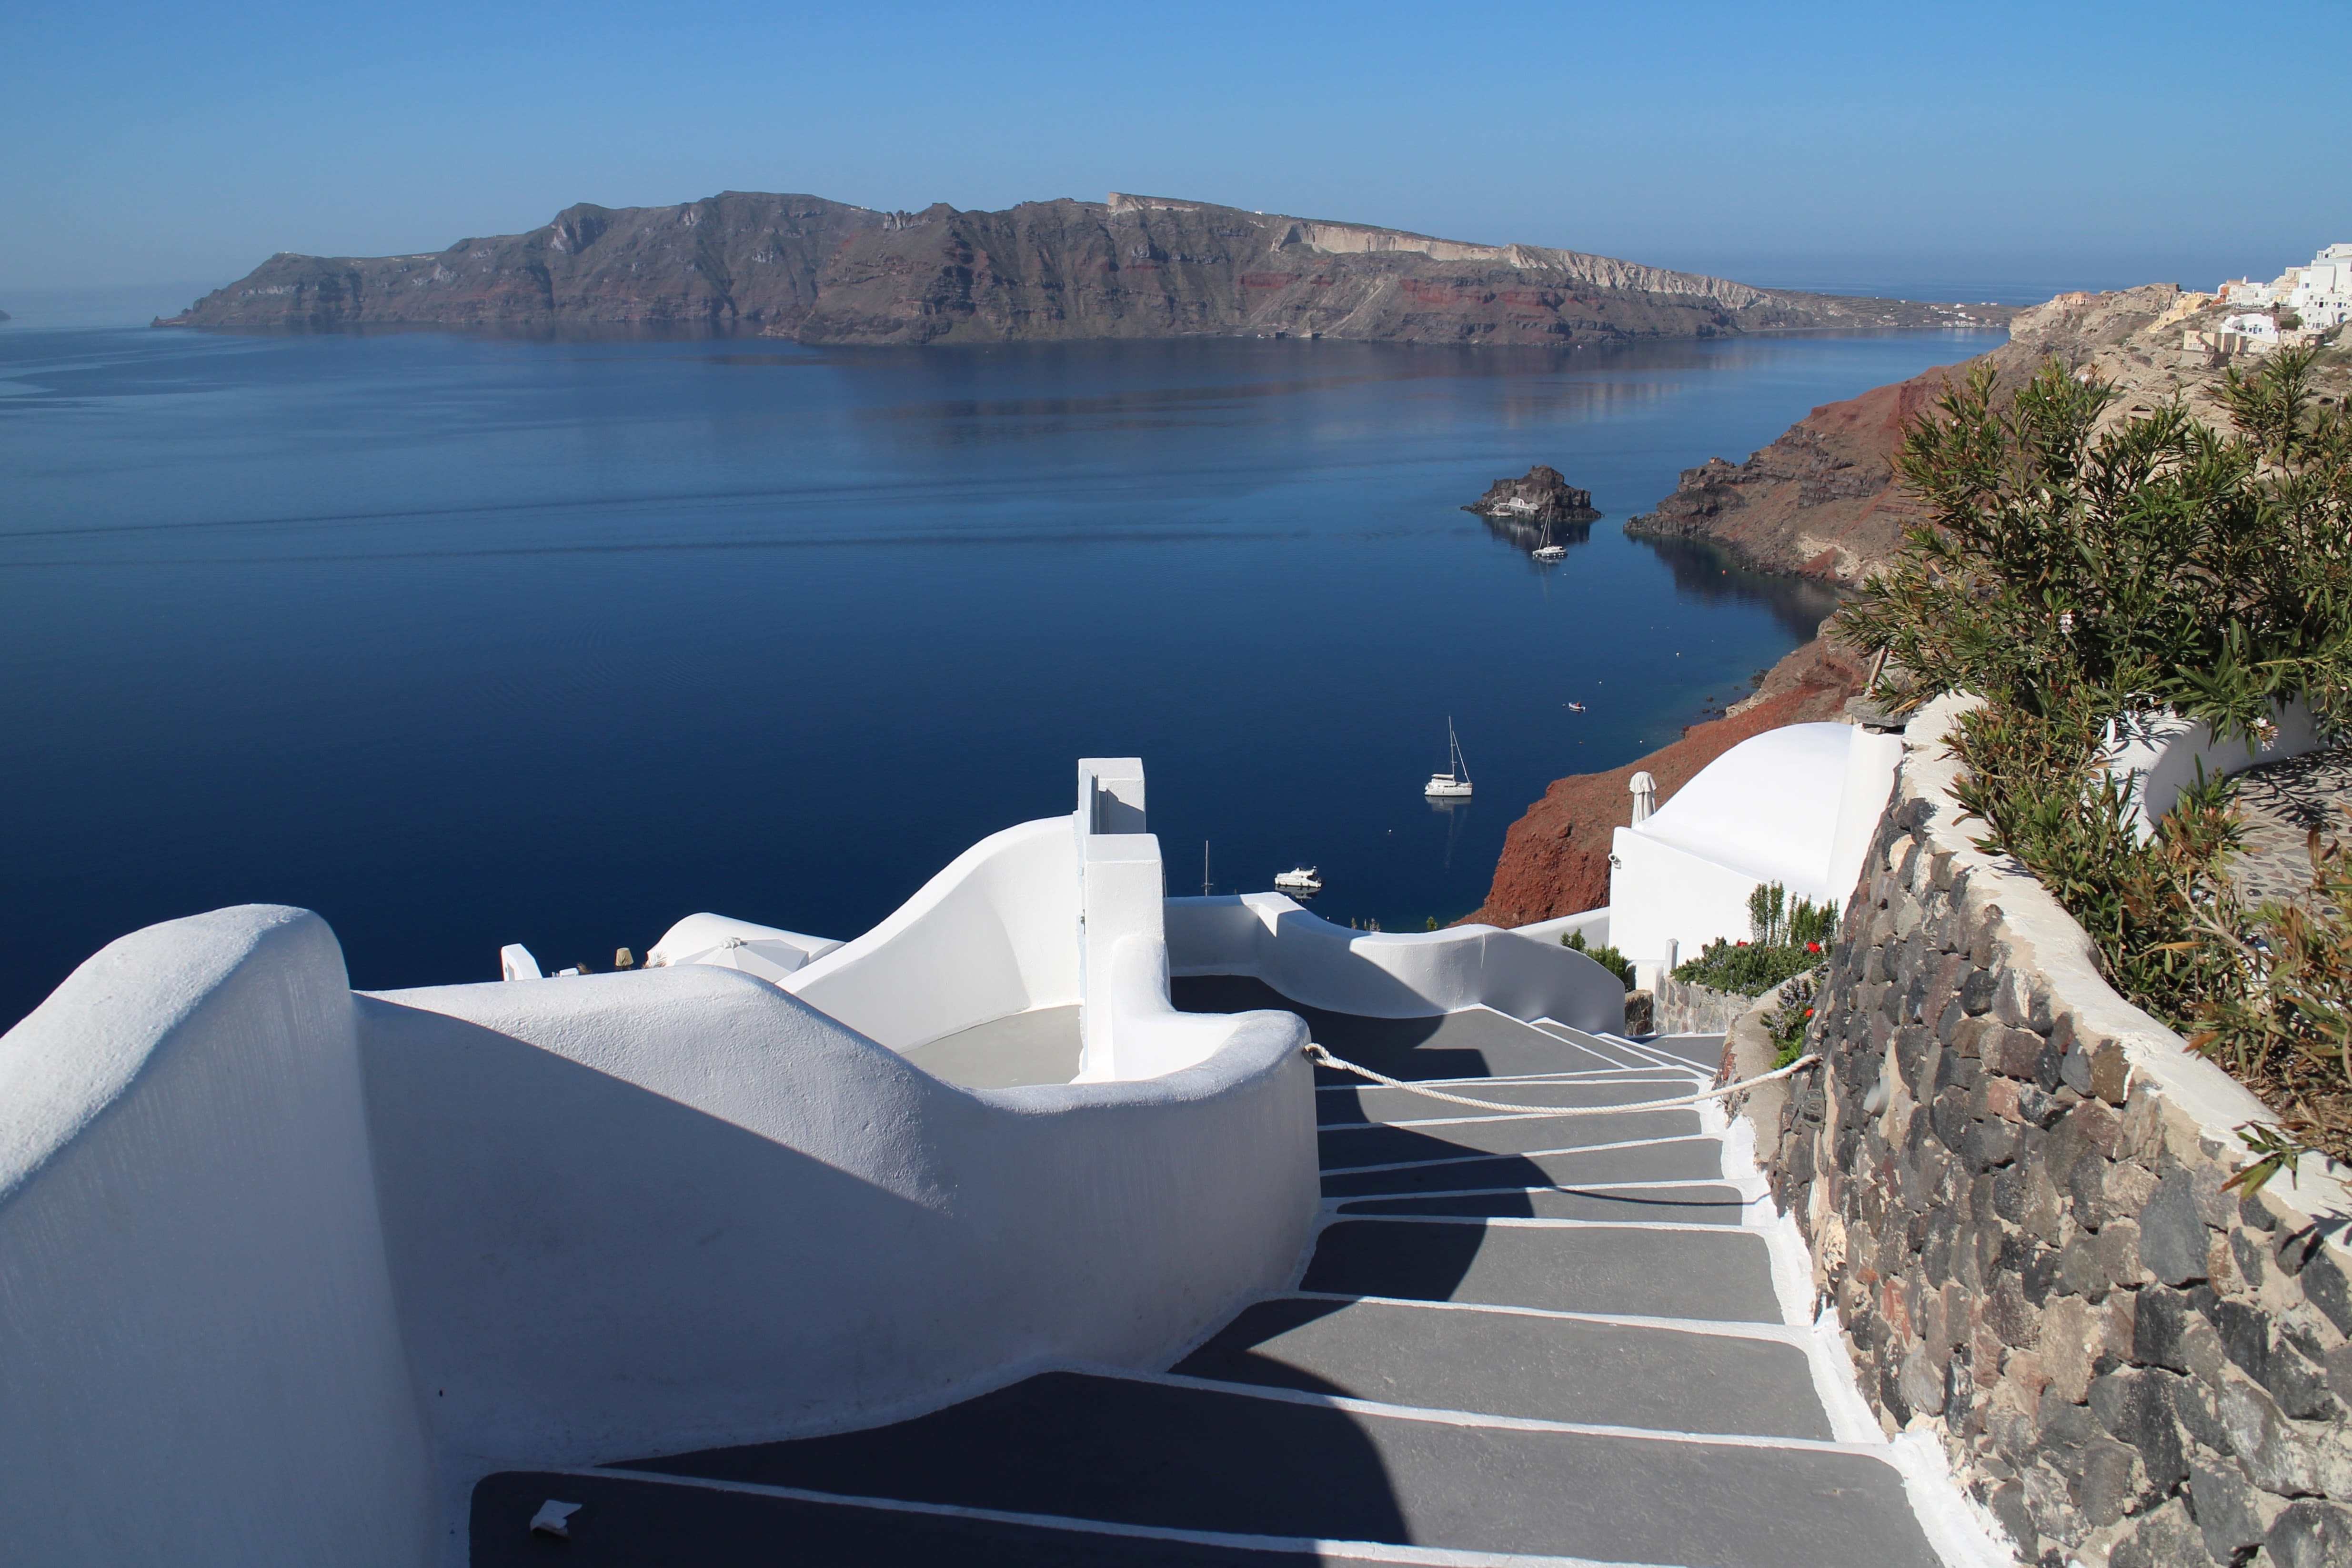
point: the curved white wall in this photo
(1380, 975)
(2164, 752)
(199, 1358)
(644, 1212)
(1795, 805)
(994, 933)
(278, 1263)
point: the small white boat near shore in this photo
(1549, 551)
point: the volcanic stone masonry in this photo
(2012, 1185)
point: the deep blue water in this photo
(467, 640)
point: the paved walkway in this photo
(1514, 1340)
(2283, 802)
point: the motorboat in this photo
(1454, 783)
(1299, 880)
(1549, 552)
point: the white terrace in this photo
(959, 1242)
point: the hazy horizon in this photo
(1831, 146)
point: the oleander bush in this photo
(2286, 1029)
(2079, 574)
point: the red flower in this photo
(1742, 944)
(1812, 947)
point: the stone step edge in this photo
(1433, 1415)
(1336, 1551)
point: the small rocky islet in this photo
(1541, 495)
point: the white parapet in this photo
(283, 1269)
(993, 934)
(1379, 975)
(2162, 754)
(639, 1213)
(200, 1359)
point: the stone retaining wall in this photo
(1684, 1008)
(2012, 1183)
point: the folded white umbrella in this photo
(769, 960)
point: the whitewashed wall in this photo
(1383, 976)
(995, 933)
(199, 1358)
(2163, 752)
(1795, 805)
(645, 1212)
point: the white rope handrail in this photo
(1317, 1054)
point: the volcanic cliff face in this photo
(1555, 859)
(734, 256)
(1137, 267)
(1821, 500)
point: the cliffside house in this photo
(2322, 292)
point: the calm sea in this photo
(467, 640)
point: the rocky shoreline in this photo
(1820, 501)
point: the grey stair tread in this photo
(1615, 1051)
(1379, 1144)
(1723, 1276)
(1702, 1051)
(1072, 1445)
(1680, 1159)
(1346, 1106)
(1679, 1205)
(1475, 1044)
(627, 1522)
(1511, 1363)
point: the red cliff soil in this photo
(1821, 500)
(1556, 858)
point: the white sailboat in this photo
(1454, 784)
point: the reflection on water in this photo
(1533, 536)
(1710, 574)
(1456, 812)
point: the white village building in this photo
(2254, 329)
(2322, 292)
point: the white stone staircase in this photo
(1574, 1340)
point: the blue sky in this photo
(1987, 146)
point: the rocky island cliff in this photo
(1132, 266)
(1821, 500)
